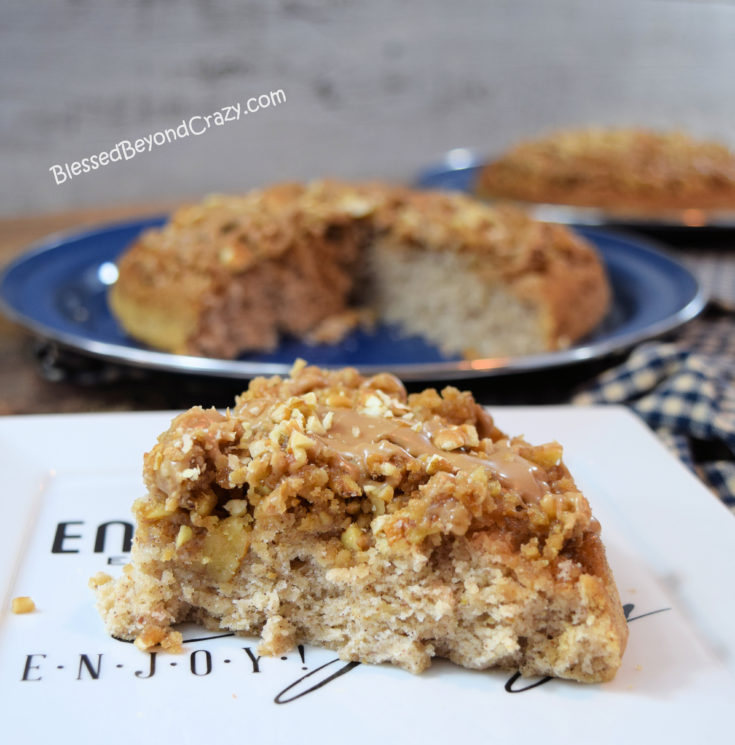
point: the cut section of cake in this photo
(334, 509)
(236, 274)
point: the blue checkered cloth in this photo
(684, 388)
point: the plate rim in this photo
(151, 359)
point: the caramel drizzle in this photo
(355, 437)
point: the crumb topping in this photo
(232, 234)
(359, 463)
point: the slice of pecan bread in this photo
(334, 509)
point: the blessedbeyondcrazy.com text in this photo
(196, 125)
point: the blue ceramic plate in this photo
(459, 169)
(59, 290)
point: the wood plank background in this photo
(373, 89)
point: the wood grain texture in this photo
(373, 89)
(23, 390)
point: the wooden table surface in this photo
(23, 390)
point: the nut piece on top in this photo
(22, 604)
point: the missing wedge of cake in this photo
(234, 274)
(334, 509)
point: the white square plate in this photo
(671, 545)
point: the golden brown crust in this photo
(234, 273)
(335, 509)
(619, 169)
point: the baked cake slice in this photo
(334, 509)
